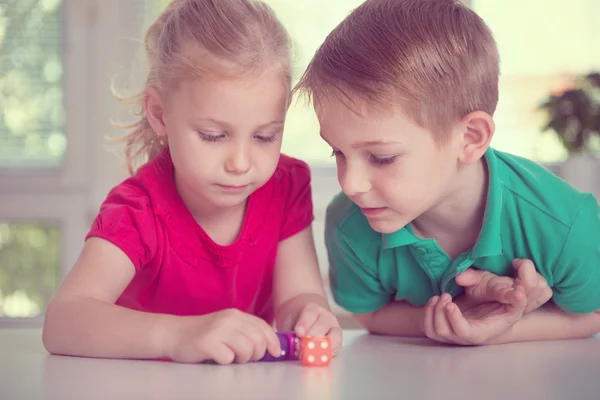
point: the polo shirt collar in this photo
(489, 242)
(403, 237)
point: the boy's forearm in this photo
(551, 323)
(91, 328)
(395, 319)
(287, 313)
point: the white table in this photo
(369, 367)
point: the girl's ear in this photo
(154, 108)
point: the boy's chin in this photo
(387, 226)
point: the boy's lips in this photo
(372, 211)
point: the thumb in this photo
(517, 300)
(470, 277)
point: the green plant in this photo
(574, 114)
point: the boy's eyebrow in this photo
(361, 145)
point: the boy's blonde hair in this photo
(435, 58)
(204, 39)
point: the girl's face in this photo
(224, 136)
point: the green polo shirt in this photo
(530, 213)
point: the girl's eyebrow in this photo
(227, 125)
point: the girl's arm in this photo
(298, 292)
(82, 319)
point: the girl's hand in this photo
(315, 320)
(225, 337)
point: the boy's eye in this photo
(211, 137)
(383, 160)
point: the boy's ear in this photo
(154, 108)
(477, 132)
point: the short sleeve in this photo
(577, 271)
(354, 283)
(298, 206)
(126, 220)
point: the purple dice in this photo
(288, 341)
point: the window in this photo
(540, 42)
(33, 151)
(29, 267)
(31, 95)
(55, 113)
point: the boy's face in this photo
(387, 164)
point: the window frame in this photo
(69, 194)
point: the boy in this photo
(405, 92)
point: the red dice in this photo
(315, 351)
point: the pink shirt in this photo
(180, 270)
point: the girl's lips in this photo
(228, 188)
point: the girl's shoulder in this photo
(292, 171)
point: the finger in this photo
(538, 296)
(518, 300)
(220, 353)
(441, 325)
(336, 336)
(501, 291)
(483, 286)
(241, 345)
(272, 341)
(470, 277)
(258, 339)
(526, 274)
(308, 317)
(322, 325)
(458, 323)
(428, 326)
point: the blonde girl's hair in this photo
(203, 39)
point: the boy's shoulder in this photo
(533, 189)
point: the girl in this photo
(209, 242)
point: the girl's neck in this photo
(222, 224)
(456, 221)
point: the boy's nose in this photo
(354, 181)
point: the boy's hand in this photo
(536, 287)
(490, 306)
(315, 320)
(224, 337)
(444, 322)
(483, 286)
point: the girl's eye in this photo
(211, 137)
(383, 160)
(267, 139)
(335, 153)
